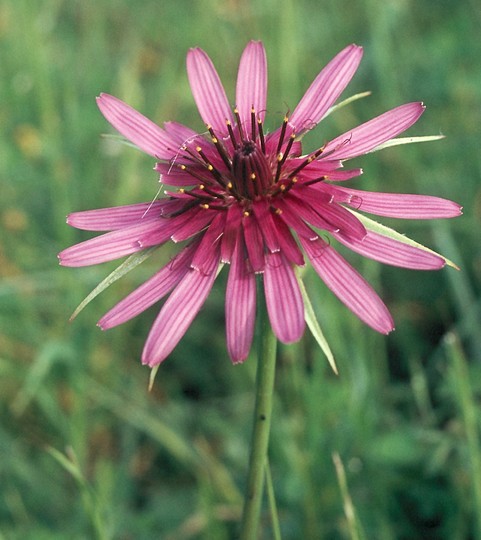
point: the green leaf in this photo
(345, 102)
(129, 264)
(406, 140)
(314, 326)
(376, 227)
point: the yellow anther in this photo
(201, 186)
(204, 206)
(253, 176)
(229, 185)
(198, 149)
(215, 140)
(246, 213)
(210, 167)
(278, 211)
(294, 179)
(280, 155)
(183, 167)
(181, 190)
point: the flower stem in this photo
(262, 421)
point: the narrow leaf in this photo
(346, 101)
(314, 326)
(129, 264)
(406, 140)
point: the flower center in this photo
(251, 173)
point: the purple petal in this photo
(348, 285)
(149, 292)
(325, 89)
(240, 305)
(208, 91)
(112, 245)
(251, 90)
(135, 127)
(391, 251)
(178, 312)
(367, 136)
(110, 219)
(283, 299)
(402, 205)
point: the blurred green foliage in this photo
(85, 450)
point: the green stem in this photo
(262, 421)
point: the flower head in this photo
(251, 199)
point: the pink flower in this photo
(253, 200)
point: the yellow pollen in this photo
(204, 206)
(246, 214)
(181, 190)
(294, 180)
(201, 186)
(210, 167)
(282, 187)
(253, 176)
(286, 119)
(183, 167)
(229, 185)
(198, 149)
(278, 211)
(236, 110)
(280, 155)
(215, 140)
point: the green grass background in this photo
(85, 451)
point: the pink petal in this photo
(149, 292)
(288, 245)
(369, 135)
(390, 251)
(251, 90)
(283, 299)
(136, 127)
(208, 91)
(210, 239)
(306, 212)
(173, 175)
(348, 285)
(290, 216)
(178, 312)
(110, 219)
(263, 215)
(401, 205)
(111, 245)
(325, 89)
(198, 219)
(240, 305)
(338, 217)
(229, 238)
(254, 243)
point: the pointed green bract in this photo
(346, 101)
(129, 264)
(314, 326)
(406, 140)
(378, 228)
